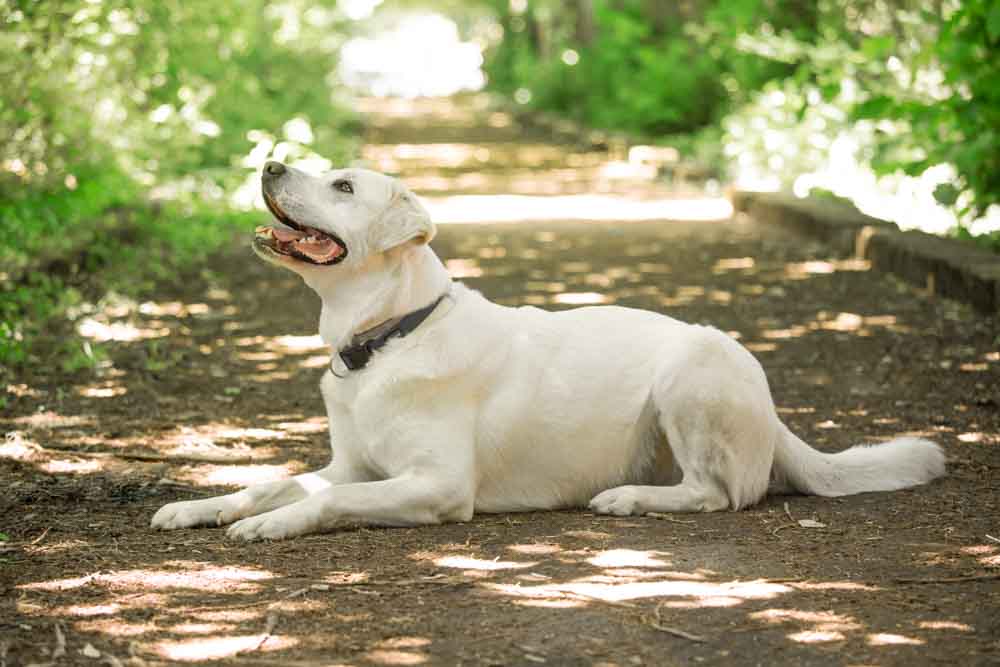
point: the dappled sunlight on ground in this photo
(214, 384)
(216, 648)
(237, 475)
(523, 208)
(183, 574)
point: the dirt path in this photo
(897, 578)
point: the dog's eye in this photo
(344, 186)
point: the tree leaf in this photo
(993, 22)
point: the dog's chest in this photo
(371, 423)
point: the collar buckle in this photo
(357, 355)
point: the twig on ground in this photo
(666, 517)
(654, 621)
(993, 539)
(782, 527)
(949, 580)
(60, 649)
(269, 625)
(40, 537)
(657, 624)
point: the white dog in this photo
(442, 404)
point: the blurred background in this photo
(133, 131)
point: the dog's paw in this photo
(620, 501)
(274, 525)
(191, 513)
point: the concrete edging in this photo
(947, 267)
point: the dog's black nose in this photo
(273, 168)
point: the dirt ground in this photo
(214, 384)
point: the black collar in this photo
(363, 345)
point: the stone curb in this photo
(945, 267)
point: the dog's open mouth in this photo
(306, 244)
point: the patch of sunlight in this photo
(49, 419)
(468, 563)
(88, 610)
(199, 443)
(259, 356)
(945, 625)
(217, 648)
(102, 391)
(761, 347)
(526, 208)
(972, 436)
(272, 376)
(23, 390)
(580, 298)
(16, 447)
(823, 620)
(735, 591)
(115, 627)
(710, 602)
(979, 367)
(197, 576)
(733, 264)
(629, 558)
(75, 467)
(978, 549)
(315, 361)
(420, 54)
(172, 308)
(300, 343)
(390, 657)
(229, 432)
(834, 586)
(535, 549)
(189, 628)
(404, 642)
(800, 270)
(889, 639)
(310, 425)
(464, 268)
(784, 334)
(816, 636)
(621, 170)
(236, 475)
(227, 615)
(117, 331)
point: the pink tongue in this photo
(285, 235)
(319, 251)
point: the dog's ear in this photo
(404, 219)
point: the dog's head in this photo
(337, 221)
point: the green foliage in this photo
(104, 103)
(916, 85)
(954, 119)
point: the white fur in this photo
(491, 409)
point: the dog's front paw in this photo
(190, 513)
(274, 525)
(620, 501)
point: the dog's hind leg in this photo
(716, 412)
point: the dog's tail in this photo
(897, 464)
